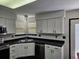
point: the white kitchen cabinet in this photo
(52, 22)
(57, 53)
(44, 25)
(48, 54)
(25, 49)
(30, 49)
(51, 25)
(53, 52)
(39, 26)
(56, 25)
(59, 26)
(11, 26)
(2, 22)
(9, 23)
(13, 51)
(22, 50)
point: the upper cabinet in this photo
(9, 24)
(50, 22)
(39, 26)
(51, 25)
(59, 25)
(44, 26)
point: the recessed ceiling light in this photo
(15, 3)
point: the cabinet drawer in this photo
(12, 51)
(31, 49)
(12, 46)
(12, 56)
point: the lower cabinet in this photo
(39, 51)
(13, 51)
(22, 50)
(53, 52)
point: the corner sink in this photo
(27, 40)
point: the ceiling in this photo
(48, 5)
(15, 4)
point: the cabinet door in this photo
(51, 25)
(59, 25)
(13, 51)
(2, 22)
(57, 53)
(48, 54)
(12, 56)
(18, 50)
(25, 49)
(30, 49)
(53, 52)
(39, 26)
(11, 26)
(21, 50)
(44, 26)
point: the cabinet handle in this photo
(13, 56)
(12, 46)
(13, 50)
(56, 48)
(47, 46)
(55, 31)
(52, 51)
(26, 47)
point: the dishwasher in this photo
(39, 51)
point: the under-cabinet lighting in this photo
(15, 3)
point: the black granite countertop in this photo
(28, 39)
(36, 40)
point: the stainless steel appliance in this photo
(3, 29)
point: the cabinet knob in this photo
(47, 46)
